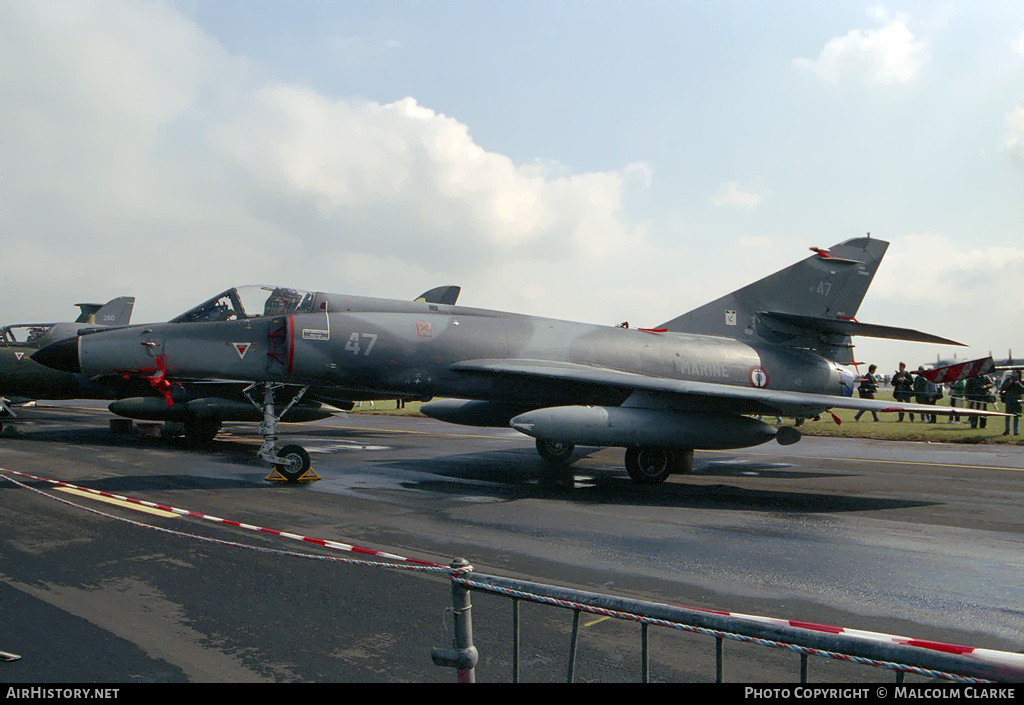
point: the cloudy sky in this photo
(592, 160)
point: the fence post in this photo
(515, 639)
(572, 646)
(645, 661)
(719, 660)
(463, 656)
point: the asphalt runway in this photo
(921, 540)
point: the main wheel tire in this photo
(555, 452)
(684, 461)
(197, 432)
(296, 462)
(650, 466)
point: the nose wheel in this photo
(291, 462)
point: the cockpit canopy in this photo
(23, 333)
(253, 301)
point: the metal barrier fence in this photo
(806, 642)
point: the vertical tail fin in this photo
(830, 285)
(116, 312)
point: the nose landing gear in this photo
(291, 462)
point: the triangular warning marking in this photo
(19, 355)
(242, 349)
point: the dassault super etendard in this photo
(780, 346)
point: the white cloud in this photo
(156, 164)
(980, 276)
(885, 55)
(1015, 139)
(348, 51)
(729, 194)
(95, 85)
(950, 287)
(640, 173)
(760, 242)
(403, 176)
(1015, 118)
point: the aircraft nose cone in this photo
(62, 355)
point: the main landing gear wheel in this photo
(684, 461)
(555, 452)
(651, 466)
(199, 432)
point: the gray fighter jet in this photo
(780, 346)
(201, 406)
(1000, 365)
(195, 409)
(116, 312)
(23, 380)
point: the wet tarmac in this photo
(923, 540)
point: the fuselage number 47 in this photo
(355, 347)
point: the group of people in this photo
(909, 388)
(976, 392)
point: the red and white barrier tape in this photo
(987, 655)
(206, 517)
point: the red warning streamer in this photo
(158, 380)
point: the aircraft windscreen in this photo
(251, 301)
(22, 334)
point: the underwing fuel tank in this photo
(647, 428)
(473, 413)
(209, 409)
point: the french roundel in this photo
(758, 377)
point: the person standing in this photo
(934, 394)
(866, 390)
(1013, 391)
(902, 383)
(956, 398)
(923, 394)
(978, 398)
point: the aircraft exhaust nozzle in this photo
(62, 355)
(787, 436)
(635, 427)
